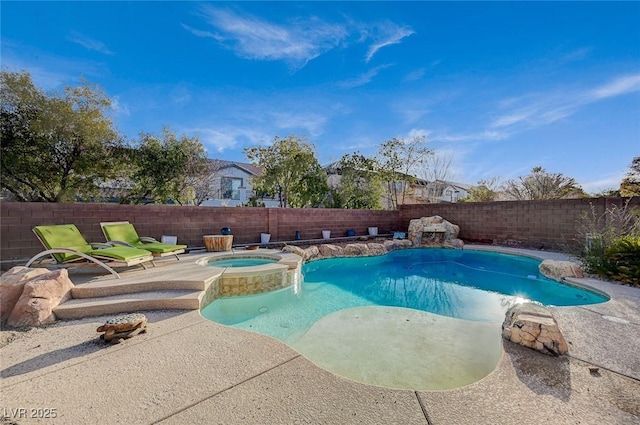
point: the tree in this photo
(542, 185)
(202, 183)
(435, 170)
(359, 185)
(436, 167)
(55, 147)
(166, 168)
(291, 172)
(606, 193)
(398, 160)
(485, 191)
(630, 185)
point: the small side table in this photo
(218, 242)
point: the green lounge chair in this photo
(123, 232)
(68, 248)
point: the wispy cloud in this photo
(296, 42)
(180, 94)
(419, 132)
(119, 107)
(609, 182)
(223, 139)
(486, 135)
(364, 78)
(47, 71)
(387, 35)
(512, 118)
(576, 55)
(535, 110)
(618, 87)
(412, 115)
(415, 75)
(199, 33)
(89, 43)
(310, 122)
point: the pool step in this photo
(165, 279)
(105, 289)
(127, 303)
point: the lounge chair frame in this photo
(92, 260)
(142, 239)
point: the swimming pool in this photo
(446, 291)
(241, 262)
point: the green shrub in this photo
(612, 243)
(593, 255)
(621, 261)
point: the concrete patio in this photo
(188, 370)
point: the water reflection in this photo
(448, 282)
(467, 285)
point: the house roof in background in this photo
(245, 166)
(455, 185)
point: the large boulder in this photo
(357, 250)
(311, 252)
(394, 244)
(376, 248)
(433, 231)
(11, 285)
(295, 250)
(534, 326)
(555, 269)
(330, 251)
(454, 243)
(39, 297)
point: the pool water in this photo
(471, 285)
(241, 262)
(418, 294)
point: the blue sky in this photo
(497, 87)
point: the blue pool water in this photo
(464, 284)
(241, 262)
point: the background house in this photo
(445, 191)
(416, 191)
(230, 185)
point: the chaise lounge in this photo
(68, 248)
(124, 233)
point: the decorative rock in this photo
(432, 231)
(11, 285)
(295, 250)
(454, 243)
(391, 245)
(123, 327)
(534, 326)
(558, 269)
(330, 251)
(357, 250)
(39, 297)
(311, 252)
(377, 249)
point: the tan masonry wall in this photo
(17, 241)
(538, 224)
(552, 224)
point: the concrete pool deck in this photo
(188, 370)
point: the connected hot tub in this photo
(247, 273)
(241, 262)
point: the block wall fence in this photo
(17, 240)
(538, 224)
(551, 224)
